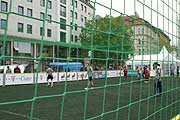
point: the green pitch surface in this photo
(132, 103)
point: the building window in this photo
(63, 24)
(139, 51)
(62, 36)
(20, 27)
(4, 6)
(131, 22)
(82, 7)
(72, 38)
(42, 3)
(76, 16)
(3, 24)
(42, 32)
(29, 0)
(81, 18)
(76, 27)
(49, 4)
(29, 29)
(85, 19)
(142, 42)
(74, 3)
(63, 1)
(21, 10)
(142, 30)
(41, 15)
(29, 12)
(49, 18)
(63, 11)
(139, 31)
(49, 32)
(76, 38)
(71, 13)
(71, 25)
(85, 9)
(139, 41)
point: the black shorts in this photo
(90, 78)
(49, 77)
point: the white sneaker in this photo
(51, 84)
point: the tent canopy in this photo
(164, 56)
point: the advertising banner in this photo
(1, 79)
(28, 78)
(102, 74)
(82, 76)
(70, 76)
(42, 77)
(14, 79)
(112, 73)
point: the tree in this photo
(108, 37)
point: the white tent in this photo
(164, 58)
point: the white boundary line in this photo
(17, 114)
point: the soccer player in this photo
(90, 76)
(147, 74)
(138, 72)
(49, 72)
(125, 70)
(157, 79)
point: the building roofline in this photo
(88, 4)
(144, 22)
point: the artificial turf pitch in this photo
(122, 97)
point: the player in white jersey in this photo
(49, 72)
(90, 76)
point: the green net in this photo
(115, 37)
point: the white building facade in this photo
(62, 22)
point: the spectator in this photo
(1, 70)
(177, 71)
(110, 67)
(17, 69)
(138, 72)
(8, 70)
(27, 69)
(125, 70)
(157, 79)
(147, 74)
(143, 73)
(172, 70)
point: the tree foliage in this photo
(108, 34)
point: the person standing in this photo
(138, 72)
(172, 70)
(17, 69)
(49, 72)
(177, 71)
(125, 70)
(90, 76)
(157, 79)
(147, 74)
(8, 70)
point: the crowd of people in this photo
(141, 72)
(144, 73)
(15, 70)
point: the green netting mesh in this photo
(111, 36)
